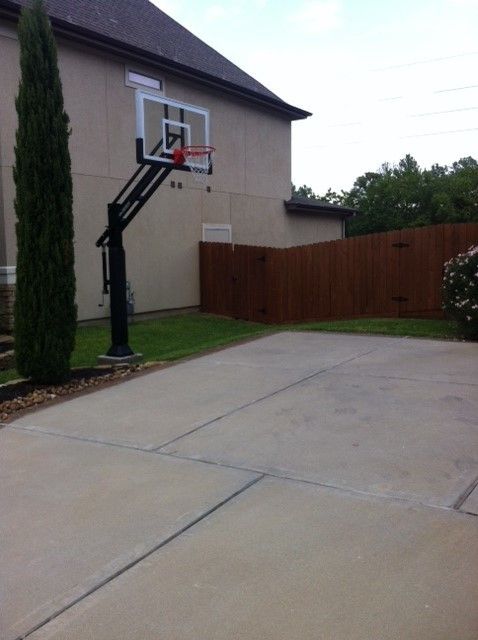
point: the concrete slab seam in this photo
(324, 485)
(383, 336)
(463, 497)
(143, 556)
(386, 377)
(261, 399)
(42, 430)
(106, 443)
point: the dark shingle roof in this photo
(139, 25)
(313, 206)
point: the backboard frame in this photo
(173, 140)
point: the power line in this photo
(437, 113)
(426, 61)
(470, 86)
(418, 135)
(438, 133)
(412, 115)
(345, 124)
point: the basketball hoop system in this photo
(199, 159)
(164, 129)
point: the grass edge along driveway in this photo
(176, 337)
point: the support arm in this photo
(121, 211)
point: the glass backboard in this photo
(163, 125)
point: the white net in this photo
(199, 160)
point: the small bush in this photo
(460, 291)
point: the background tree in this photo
(303, 192)
(405, 195)
(306, 192)
(45, 311)
(396, 197)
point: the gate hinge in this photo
(400, 245)
(262, 259)
(399, 299)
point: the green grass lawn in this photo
(387, 327)
(183, 335)
(164, 339)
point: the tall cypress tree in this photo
(45, 310)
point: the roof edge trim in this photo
(319, 208)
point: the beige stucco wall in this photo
(250, 183)
(308, 228)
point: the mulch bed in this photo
(18, 396)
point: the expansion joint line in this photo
(143, 556)
(262, 398)
(462, 498)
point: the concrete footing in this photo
(134, 358)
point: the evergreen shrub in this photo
(45, 310)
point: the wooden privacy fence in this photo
(394, 274)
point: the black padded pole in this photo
(117, 280)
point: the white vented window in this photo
(136, 79)
(216, 232)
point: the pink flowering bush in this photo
(460, 291)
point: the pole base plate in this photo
(133, 358)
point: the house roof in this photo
(138, 26)
(317, 207)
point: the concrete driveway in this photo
(303, 486)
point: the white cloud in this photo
(220, 10)
(164, 5)
(171, 7)
(215, 12)
(464, 3)
(357, 55)
(317, 16)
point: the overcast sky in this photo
(382, 77)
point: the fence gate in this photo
(422, 254)
(420, 272)
(248, 283)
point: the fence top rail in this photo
(449, 227)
